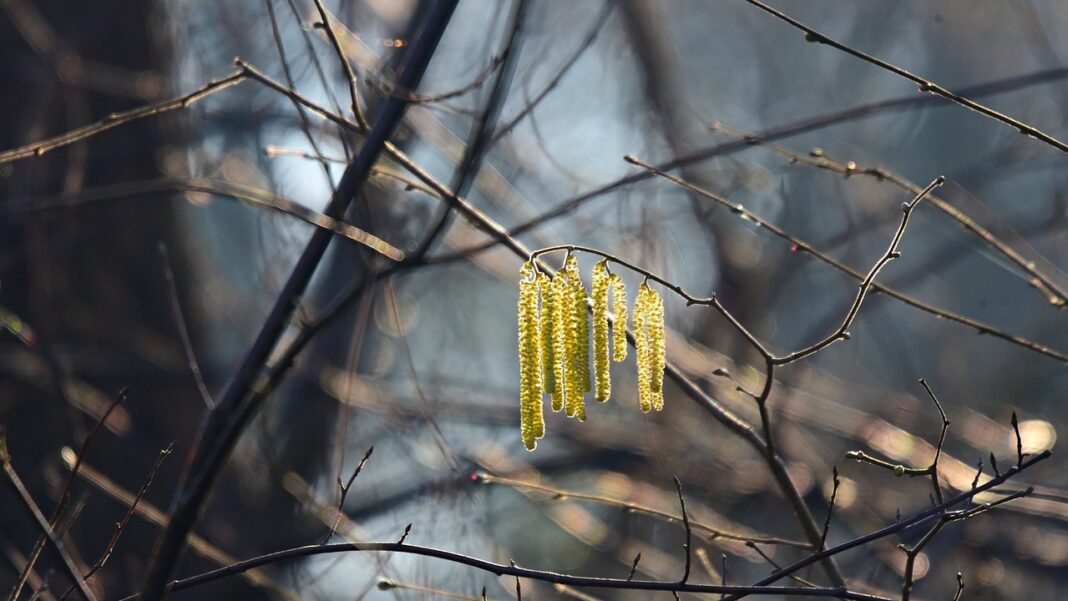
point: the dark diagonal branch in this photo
(224, 424)
(710, 531)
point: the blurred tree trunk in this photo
(89, 281)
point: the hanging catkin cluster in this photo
(554, 342)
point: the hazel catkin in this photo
(603, 383)
(657, 348)
(558, 291)
(530, 377)
(546, 322)
(619, 326)
(554, 338)
(642, 347)
(578, 376)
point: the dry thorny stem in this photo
(941, 511)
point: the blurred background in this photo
(530, 106)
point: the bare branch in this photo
(11, 478)
(811, 35)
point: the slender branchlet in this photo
(711, 532)
(634, 567)
(775, 565)
(1019, 440)
(835, 483)
(688, 545)
(925, 85)
(343, 488)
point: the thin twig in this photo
(841, 333)
(686, 524)
(1041, 282)
(11, 478)
(587, 41)
(811, 35)
(723, 569)
(634, 567)
(183, 331)
(386, 584)
(778, 133)
(905, 524)
(120, 527)
(799, 245)
(562, 494)
(835, 483)
(574, 593)
(240, 192)
(65, 495)
(305, 125)
(960, 586)
(344, 487)
(350, 75)
(941, 441)
(479, 81)
(482, 129)
(116, 119)
(153, 515)
(1019, 439)
(509, 570)
(776, 566)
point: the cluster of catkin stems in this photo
(554, 342)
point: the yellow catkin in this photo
(658, 349)
(546, 317)
(537, 422)
(578, 375)
(601, 360)
(642, 348)
(561, 315)
(619, 327)
(530, 384)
